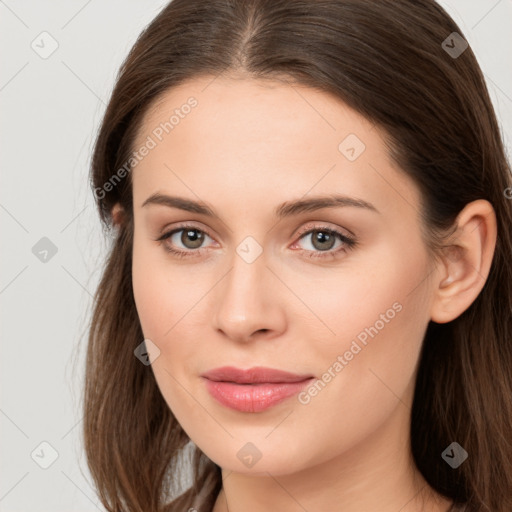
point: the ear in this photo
(466, 261)
(117, 214)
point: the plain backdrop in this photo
(52, 241)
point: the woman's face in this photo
(265, 280)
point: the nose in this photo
(249, 302)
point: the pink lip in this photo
(252, 390)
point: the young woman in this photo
(307, 302)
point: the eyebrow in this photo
(286, 209)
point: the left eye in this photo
(323, 239)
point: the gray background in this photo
(51, 109)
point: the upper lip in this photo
(257, 374)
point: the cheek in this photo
(361, 384)
(379, 319)
(375, 292)
(162, 300)
(171, 305)
(163, 292)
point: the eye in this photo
(189, 237)
(323, 240)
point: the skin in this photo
(247, 147)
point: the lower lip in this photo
(253, 397)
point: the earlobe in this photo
(465, 262)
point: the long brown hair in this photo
(387, 61)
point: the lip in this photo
(255, 389)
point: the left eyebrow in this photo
(286, 209)
(318, 202)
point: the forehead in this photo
(272, 138)
(254, 109)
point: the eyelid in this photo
(319, 225)
(175, 226)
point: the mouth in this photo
(253, 390)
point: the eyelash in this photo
(348, 242)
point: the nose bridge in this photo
(246, 301)
(242, 290)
